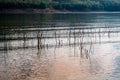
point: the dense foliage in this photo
(72, 5)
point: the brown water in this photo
(79, 46)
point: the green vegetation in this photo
(71, 5)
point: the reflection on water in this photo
(60, 47)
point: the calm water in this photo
(74, 46)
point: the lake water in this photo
(68, 46)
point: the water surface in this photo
(74, 46)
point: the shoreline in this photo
(47, 11)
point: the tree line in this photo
(71, 5)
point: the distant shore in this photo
(41, 11)
(30, 11)
(45, 11)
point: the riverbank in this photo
(48, 11)
(30, 11)
(41, 11)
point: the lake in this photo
(61, 46)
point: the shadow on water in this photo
(116, 71)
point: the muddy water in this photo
(79, 46)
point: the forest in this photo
(70, 5)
